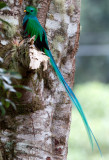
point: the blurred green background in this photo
(92, 82)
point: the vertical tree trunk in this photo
(40, 128)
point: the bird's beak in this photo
(24, 10)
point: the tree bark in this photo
(39, 130)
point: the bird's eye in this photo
(31, 10)
(27, 13)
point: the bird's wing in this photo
(32, 27)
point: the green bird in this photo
(32, 27)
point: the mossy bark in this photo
(39, 129)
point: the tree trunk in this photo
(39, 130)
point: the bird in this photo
(32, 27)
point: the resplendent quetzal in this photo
(32, 27)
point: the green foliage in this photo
(94, 98)
(7, 87)
(2, 5)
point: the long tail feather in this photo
(73, 99)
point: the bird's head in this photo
(30, 10)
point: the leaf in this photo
(15, 75)
(27, 88)
(1, 60)
(8, 87)
(2, 109)
(10, 74)
(6, 78)
(2, 5)
(18, 94)
(7, 103)
(10, 102)
(23, 87)
(2, 70)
